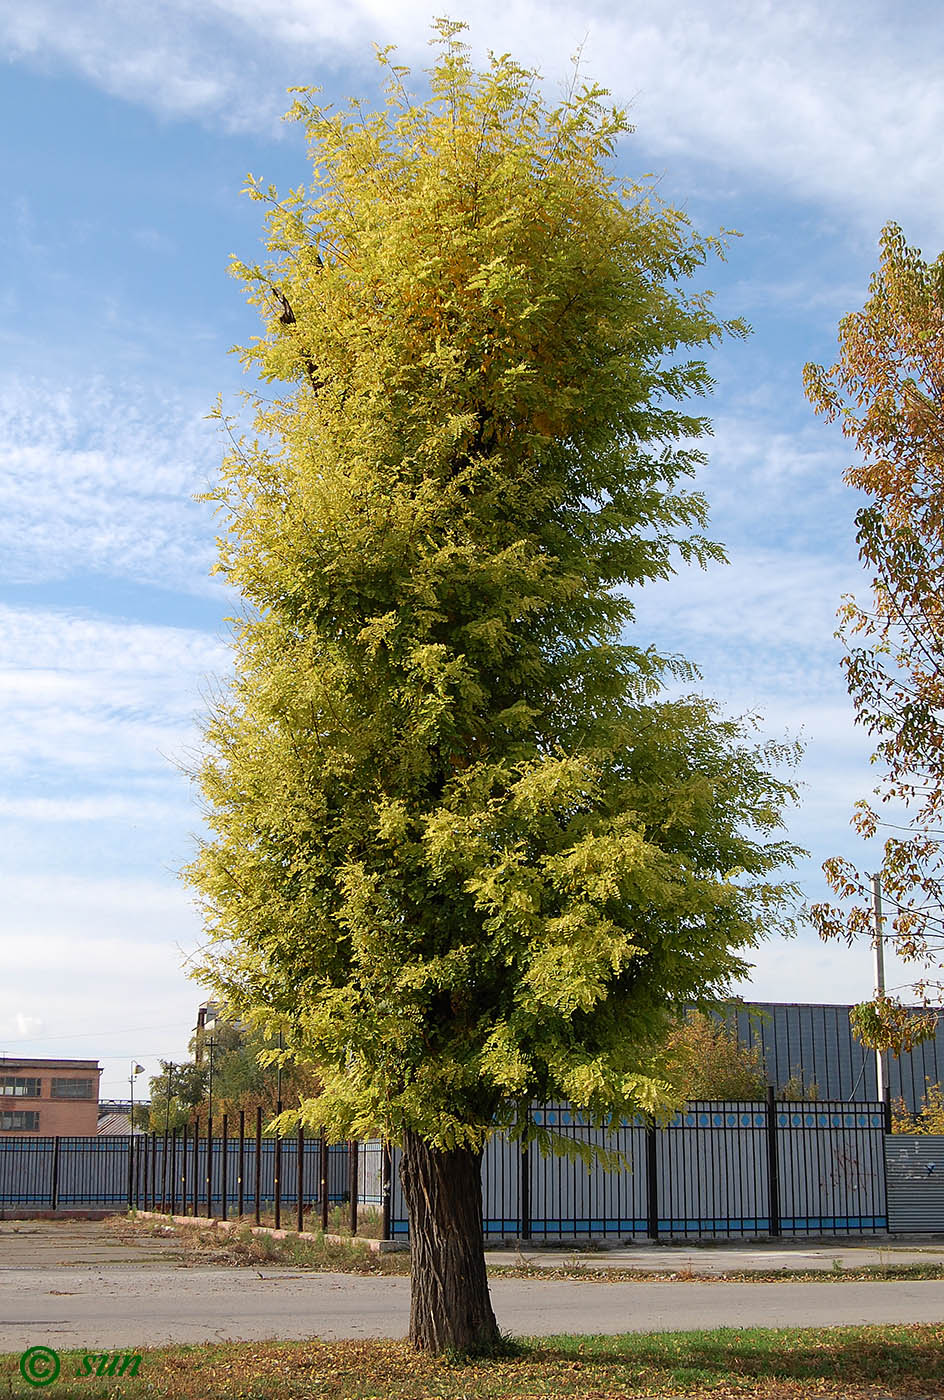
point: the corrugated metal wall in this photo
(915, 1169)
(816, 1042)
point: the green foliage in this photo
(175, 1093)
(246, 1075)
(465, 852)
(709, 1062)
(884, 1024)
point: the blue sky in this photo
(130, 131)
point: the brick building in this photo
(48, 1098)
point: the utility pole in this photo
(878, 945)
(170, 1079)
(211, 1046)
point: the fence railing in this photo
(718, 1170)
(194, 1171)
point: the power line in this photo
(76, 1035)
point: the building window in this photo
(73, 1089)
(19, 1088)
(11, 1122)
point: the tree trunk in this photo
(450, 1308)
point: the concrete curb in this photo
(214, 1222)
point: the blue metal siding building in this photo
(816, 1043)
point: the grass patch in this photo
(848, 1362)
(202, 1243)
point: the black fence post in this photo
(773, 1163)
(353, 1185)
(131, 1169)
(524, 1186)
(278, 1172)
(887, 1128)
(153, 1193)
(209, 1167)
(172, 1203)
(385, 1176)
(242, 1162)
(196, 1164)
(54, 1182)
(224, 1164)
(300, 1178)
(258, 1170)
(164, 1174)
(323, 1164)
(652, 1181)
(183, 1173)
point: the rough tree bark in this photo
(450, 1307)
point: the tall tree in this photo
(463, 851)
(887, 389)
(707, 1061)
(176, 1093)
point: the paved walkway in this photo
(735, 1258)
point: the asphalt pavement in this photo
(122, 1308)
(80, 1284)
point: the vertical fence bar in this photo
(385, 1175)
(196, 1164)
(353, 1186)
(323, 1164)
(131, 1169)
(300, 1178)
(209, 1167)
(242, 1163)
(886, 1133)
(652, 1182)
(258, 1163)
(54, 1176)
(173, 1172)
(773, 1164)
(183, 1173)
(524, 1188)
(278, 1172)
(224, 1164)
(164, 1174)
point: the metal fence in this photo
(718, 1170)
(189, 1172)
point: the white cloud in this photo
(841, 104)
(95, 478)
(102, 705)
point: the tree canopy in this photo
(887, 390)
(465, 850)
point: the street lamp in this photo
(136, 1069)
